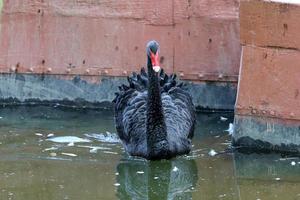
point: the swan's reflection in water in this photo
(166, 179)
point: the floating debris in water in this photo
(277, 179)
(223, 119)
(117, 184)
(226, 143)
(53, 154)
(222, 195)
(197, 150)
(175, 169)
(69, 154)
(230, 128)
(1, 117)
(38, 134)
(140, 172)
(68, 139)
(71, 144)
(101, 137)
(155, 177)
(212, 152)
(56, 105)
(293, 163)
(289, 158)
(50, 135)
(110, 152)
(116, 173)
(50, 149)
(94, 149)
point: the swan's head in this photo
(152, 52)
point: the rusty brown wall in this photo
(199, 38)
(270, 71)
(267, 114)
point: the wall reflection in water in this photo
(140, 179)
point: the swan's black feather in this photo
(131, 109)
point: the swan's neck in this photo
(156, 127)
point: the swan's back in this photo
(131, 110)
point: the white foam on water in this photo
(104, 137)
(39, 134)
(223, 118)
(293, 163)
(68, 139)
(50, 149)
(71, 144)
(175, 169)
(94, 148)
(110, 152)
(212, 152)
(230, 129)
(69, 154)
(50, 135)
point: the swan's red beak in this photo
(155, 61)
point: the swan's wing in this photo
(137, 84)
(179, 112)
(121, 102)
(134, 119)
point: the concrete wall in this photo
(95, 40)
(268, 105)
(78, 91)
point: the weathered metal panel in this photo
(54, 42)
(108, 37)
(267, 113)
(269, 83)
(268, 23)
(207, 40)
(211, 52)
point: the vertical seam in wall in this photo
(173, 35)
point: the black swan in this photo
(154, 115)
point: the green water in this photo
(35, 168)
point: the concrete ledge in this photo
(97, 91)
(267, 134)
